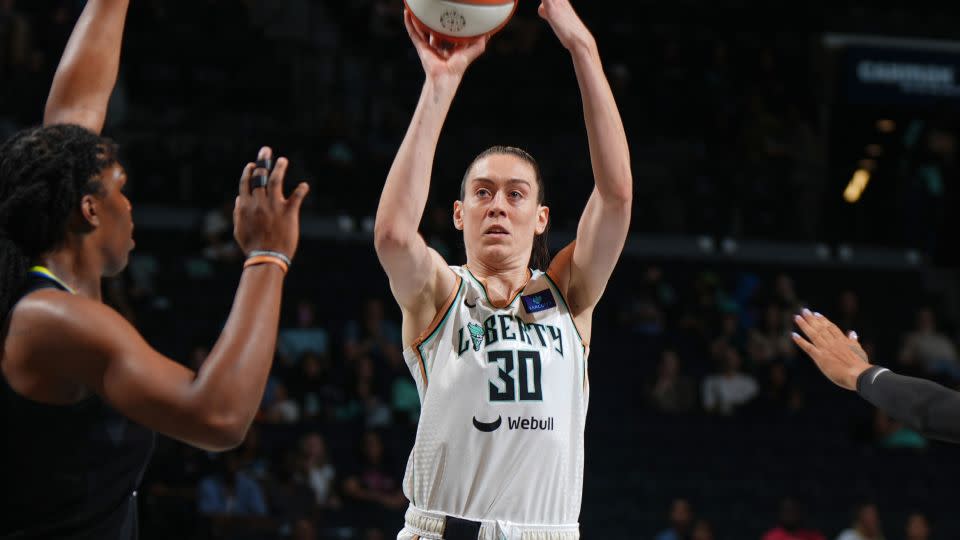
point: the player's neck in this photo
(76, 268)
(501, 282)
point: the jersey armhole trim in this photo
(435, 327)
(567, 308)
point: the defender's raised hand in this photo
(263, 218)
(839, 357)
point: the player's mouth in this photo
(496, 230)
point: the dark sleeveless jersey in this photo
(68, 471)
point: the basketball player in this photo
(81, 393)
(499, 350)
(924, 406)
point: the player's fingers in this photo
(296, 198)
(808, 329)
(819, 330)
(261, 174)
(805, 345)
(275, 184)
(245, 182)
(827, 326)
(412, 28)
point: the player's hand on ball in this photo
(566, 24)
(839, 357)
(442, 60)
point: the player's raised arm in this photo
(88, 68)
(583, 269)
(211, 408)
(419, 278)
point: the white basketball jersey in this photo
(504, 395)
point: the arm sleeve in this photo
(925, 406)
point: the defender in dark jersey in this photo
(81, 393)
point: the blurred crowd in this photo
(732, 133)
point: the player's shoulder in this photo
(53, 317)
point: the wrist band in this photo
(266, 259)
(265, 253)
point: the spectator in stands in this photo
(771, 341)
(725, 392)
(894, 434)
(290, 498)
(373, 334)
(918, 527)
(681, 521)
(14, 38)
(778, 395)
(403, 394)
(658, 289)
(317, 471)
(786, 296)
(372, 487)
(790, 526)
(218, 234)
(760, 351)
(250, 454)
(866, 524)
(365, 402)
(16, 50)
(304, 530)
(643, 317)
(730, 331)
(281, 409)
(232, 500)
(849, 316)
(672, 393)
(702, 530)
(312, 386)
(306, 336)
(374, 534)
(934, 350)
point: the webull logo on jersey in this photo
(520, 423)
(530, 424)
(508, 328)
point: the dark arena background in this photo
(785, 155)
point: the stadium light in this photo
(858, 183)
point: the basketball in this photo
(462, 20)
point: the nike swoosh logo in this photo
(466, 303)
(487, 427)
